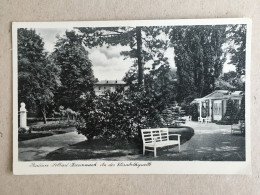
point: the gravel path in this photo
(211, 142)
(37, 149)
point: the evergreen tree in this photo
(145, 43)
(231, 115)
(148, 45)
(170, 114)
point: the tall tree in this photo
(38, 77)
(237, 48)
(144, 42)
(76, 70)
(199, 58)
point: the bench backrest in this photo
(159, 134)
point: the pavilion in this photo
(215, 103)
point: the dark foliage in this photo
(51, 126)
(237, 36)
(233, 114)
(119, 117)
(193, 110)
(76, 70)
(38, 76)
(199, 58)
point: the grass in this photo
(97, 148)
(91, 150)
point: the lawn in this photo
(97, 149)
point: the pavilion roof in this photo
(219, 94)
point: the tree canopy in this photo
(199, 58)
(76, 70)
(38, 76)
(199, 55)
(145, 43)
(237, 49)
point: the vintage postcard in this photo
(132, 97)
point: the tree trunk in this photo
(44, 116)
(68, 117)
(139, 55)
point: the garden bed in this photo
(44, 130)
(34, 135)
(51, 126)
(39, 119)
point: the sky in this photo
(107, 62)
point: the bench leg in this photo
(154, 151)
(179, 147)
(143, 150)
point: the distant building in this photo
(215, 103)
(109, 85)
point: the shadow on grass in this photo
(97, 148)
(93, 149)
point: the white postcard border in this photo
(131, 167)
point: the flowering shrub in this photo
(117, 116)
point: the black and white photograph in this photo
(155, 96)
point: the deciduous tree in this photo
(76, 70)
(199, 58)
(38, 76)
(237, 47)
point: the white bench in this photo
(158, 138)
(202, 120)
(240, 126)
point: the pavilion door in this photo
(217, 110)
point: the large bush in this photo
(117, 116)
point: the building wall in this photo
(215, 104)
(101, 89)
